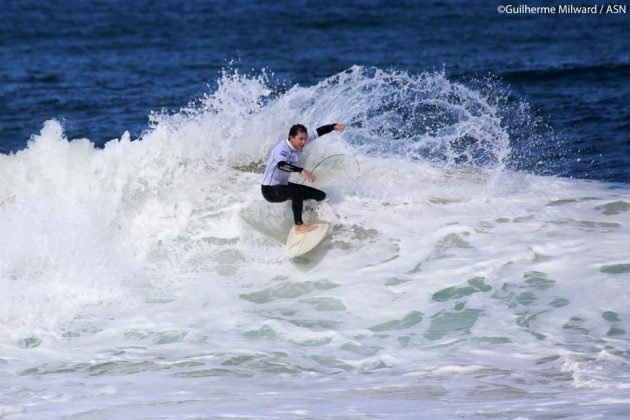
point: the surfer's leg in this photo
(311, 193)
(294, 192)
(275, 193)
(297, 201)
(281, 193)
(299, 193)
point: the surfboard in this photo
(301, 243)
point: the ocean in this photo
(477, 263)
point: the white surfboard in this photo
(301, 243)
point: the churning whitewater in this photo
(150, 274)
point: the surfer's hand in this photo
(308, 175)
(340, 127)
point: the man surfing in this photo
(276, 187)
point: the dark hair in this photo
(295, 129)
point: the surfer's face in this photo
(298, 141)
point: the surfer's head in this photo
(297, 136)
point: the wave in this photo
(164, 242)
(90, 219)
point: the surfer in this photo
(276, 187)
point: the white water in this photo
(148, 279)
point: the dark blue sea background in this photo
(101, 67)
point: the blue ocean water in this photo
(101, 67)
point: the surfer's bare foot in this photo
(305, 228)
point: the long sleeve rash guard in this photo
(284, 158)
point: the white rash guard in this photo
(284, 152)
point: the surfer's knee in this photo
(321, 196)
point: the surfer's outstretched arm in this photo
(325, 129)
